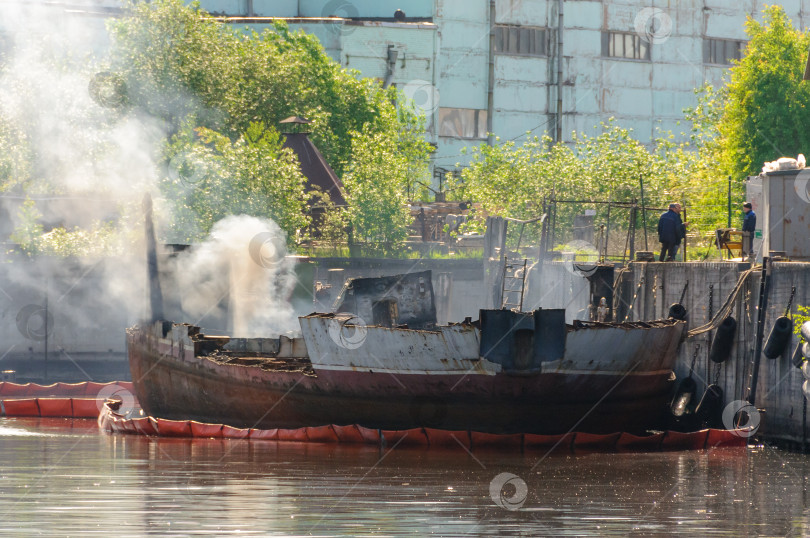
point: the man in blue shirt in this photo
(670, 232)
(749, 226)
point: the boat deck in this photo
(256, 359)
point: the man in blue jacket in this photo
(670, 232)
(750, 226)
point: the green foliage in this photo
(333, 222)
(179, 61)
(211, 177)
(220, 91)
(374, 182)
(513, 181)
(766, 112)
(100, 238)
(206, 77)
(802, 314)
(15, 158)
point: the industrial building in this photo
(504, 67)
(508, 67)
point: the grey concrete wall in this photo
(779, 388)
(89, 305)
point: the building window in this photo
(462, 122)
(520, 40)
(626, 45)
(722, 51)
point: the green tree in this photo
(374, 182)
(211, 177)
(513, 180)
(15, 158)
(178, 61)
(765, 114)
(204, 76)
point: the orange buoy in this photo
(321, 434)
(684, 441)
(173, 428)
(92, 389)
(546, 442)
(412, 437)
(23, 407)
(298, 434)
(348, 434)
(55, 407)
(628, 441)
(264, 435)
(727, 438)
(14, 389)
(203, 429)
(596, 441)
(229, 432)
(144, 426)
(369, 435)
(69, 389)
(85, 408)
(128, 425)
(492, 440)
(448, 438)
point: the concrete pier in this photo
(779, 389)
(646, 291)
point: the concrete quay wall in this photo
(779, 387)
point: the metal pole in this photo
(729, 202)
(764, 286)
(553, 222)
(643, 212)
(491, 75)
(632, 231)
(684, 235)
(559, 70)
(607, 232)
(45, 322)
(543, 234)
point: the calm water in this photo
(64, 478)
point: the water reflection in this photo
(74, 480)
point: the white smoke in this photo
(239, 274)
(82, 146)
(92, 160)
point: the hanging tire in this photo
(683, 397)
(677, 311)
(723, 340)
(779, 338)
(710, 409)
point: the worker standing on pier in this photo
(748, 228)
(670, 232)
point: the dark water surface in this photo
(65, 478)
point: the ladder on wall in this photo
(514, 284)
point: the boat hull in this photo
(571, 394)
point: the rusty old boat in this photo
(506, 372)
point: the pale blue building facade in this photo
(503, 66)
(512, 67)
